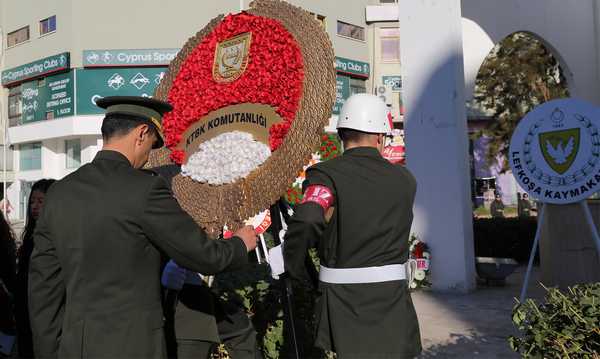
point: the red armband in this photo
(320, 195)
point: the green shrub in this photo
(566, 325)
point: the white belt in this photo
(362, 275)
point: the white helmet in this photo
(366, 113)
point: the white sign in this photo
(116, 81)
(139, 81)
(555, 149)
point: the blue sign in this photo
(395, 82)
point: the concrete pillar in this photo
(436, 136)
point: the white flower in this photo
(426, 255)
(419, 274)
(226, 158)
(413, 285)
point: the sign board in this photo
(93, 84)
(394, 154)
(36, 69)
(342, 92)
(252, 118)
(128, 58)
(49, 98)
(395, 82)
(555, 151)
(352, 67)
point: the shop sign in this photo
(395, 82)
(49, 98)
(342, 92)
(36, 69)
(93, 84)
(352, 67)
(394, 154)
(128, 58)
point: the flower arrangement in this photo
(273, 76)
(420, 255)
(226, 158)
(329, 148)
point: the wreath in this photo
(251, 93)
(329, 148)
(420, 259)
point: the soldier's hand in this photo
(247, 235)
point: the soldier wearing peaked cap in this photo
(94, 279)
(357, 209)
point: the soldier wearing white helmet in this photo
(357, 210)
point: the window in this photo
(48, 25)
(30, 156)
(15, 102)
(24, 197)
(17, 37)
(320, 19)
(357, 86)
(73, 152)
(390, 44)
(351, 31)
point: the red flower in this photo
(274, 76)
(418, 251)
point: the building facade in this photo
(60, 56)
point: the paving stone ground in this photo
(473, 325)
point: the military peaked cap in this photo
(144, 108)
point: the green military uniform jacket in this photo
(95, 270)
(370, 226)
(497, 209)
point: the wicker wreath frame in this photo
(211, 206)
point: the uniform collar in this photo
(111, 156)
(363, 152)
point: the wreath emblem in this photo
(231, 58)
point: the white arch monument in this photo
(443, 44)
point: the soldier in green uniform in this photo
(94, 279)
(525, 207)
(357, 209)
(497, 207)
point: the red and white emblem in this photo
(320, 195)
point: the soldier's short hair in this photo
(117, 125)
(351, 135)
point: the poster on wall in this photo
(48, 98)
(93, 84)
(342, 92)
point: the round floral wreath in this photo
(273, 76)
(309, 89)
(419, 254)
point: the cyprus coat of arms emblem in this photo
(231, 58)
(560, 148)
